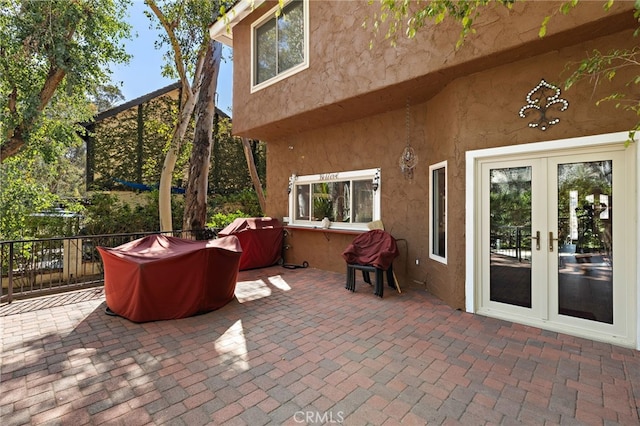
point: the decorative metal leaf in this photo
(543, 98)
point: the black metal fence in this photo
(32, 268)
(512, 241)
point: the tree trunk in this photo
(253, 171)
(11, 147)
(186, 110)
(169, 165)
(15, 137)
(195, 208)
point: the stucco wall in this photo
(472, 112)
(347, 80)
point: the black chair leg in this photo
(391, 281)
(347, 284)
(366, 269)
(351, 279)
(379, 289)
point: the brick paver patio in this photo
(297, 348)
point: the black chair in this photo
(366, 269)
(373, 251)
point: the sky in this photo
(142, 74)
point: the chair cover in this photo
(376, 248)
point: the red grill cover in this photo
(260, 238)
(159, 277)
(376, 247)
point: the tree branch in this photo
(13, 96)
(15, 137)
(253, 172)
(56, 75)
(168, 27)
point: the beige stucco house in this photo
(509, 196)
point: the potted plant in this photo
(322, 208)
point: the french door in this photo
(553, 244)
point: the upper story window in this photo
(280, 43)
(350, 200)
(438, 212)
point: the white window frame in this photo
(432, 213)
(272, 14)
(354, 175)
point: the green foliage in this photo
(510, 202)
(52, 223)
(598, 67)
(322, 203)
(190, 22)
(230, 187)
(117, 154)
(22, 192)
(76, 41)
(106, 214)
(229, 173)
(221, 220)
(115, 158)
(585, 179)
(323, 207)
(186, 33)
(105, 96)
(40, 178)
(30, 185)
(394, 13)
(245, 201)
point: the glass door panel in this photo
(548, 232)
(584, 240)
(509, 248)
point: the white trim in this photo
(637, 245)
(432, 255)
(358, 175)
(221, 30)
(291, 71)
(472, 225)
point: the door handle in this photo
(537, 238)
(551, 240)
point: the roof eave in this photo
(221, 30)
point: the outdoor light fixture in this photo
(292, 179)
(375, 184)
(542, 98)
(408, 159)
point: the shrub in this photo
(221, 220)
(245, 201)
(106, 214)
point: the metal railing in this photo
(31, 268)
(512, 241)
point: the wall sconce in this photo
(292, 179)
(375, 183)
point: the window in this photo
(438, 212)
(280, 44)
(350, 200)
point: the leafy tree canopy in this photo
(188, 39)
(52, 55)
